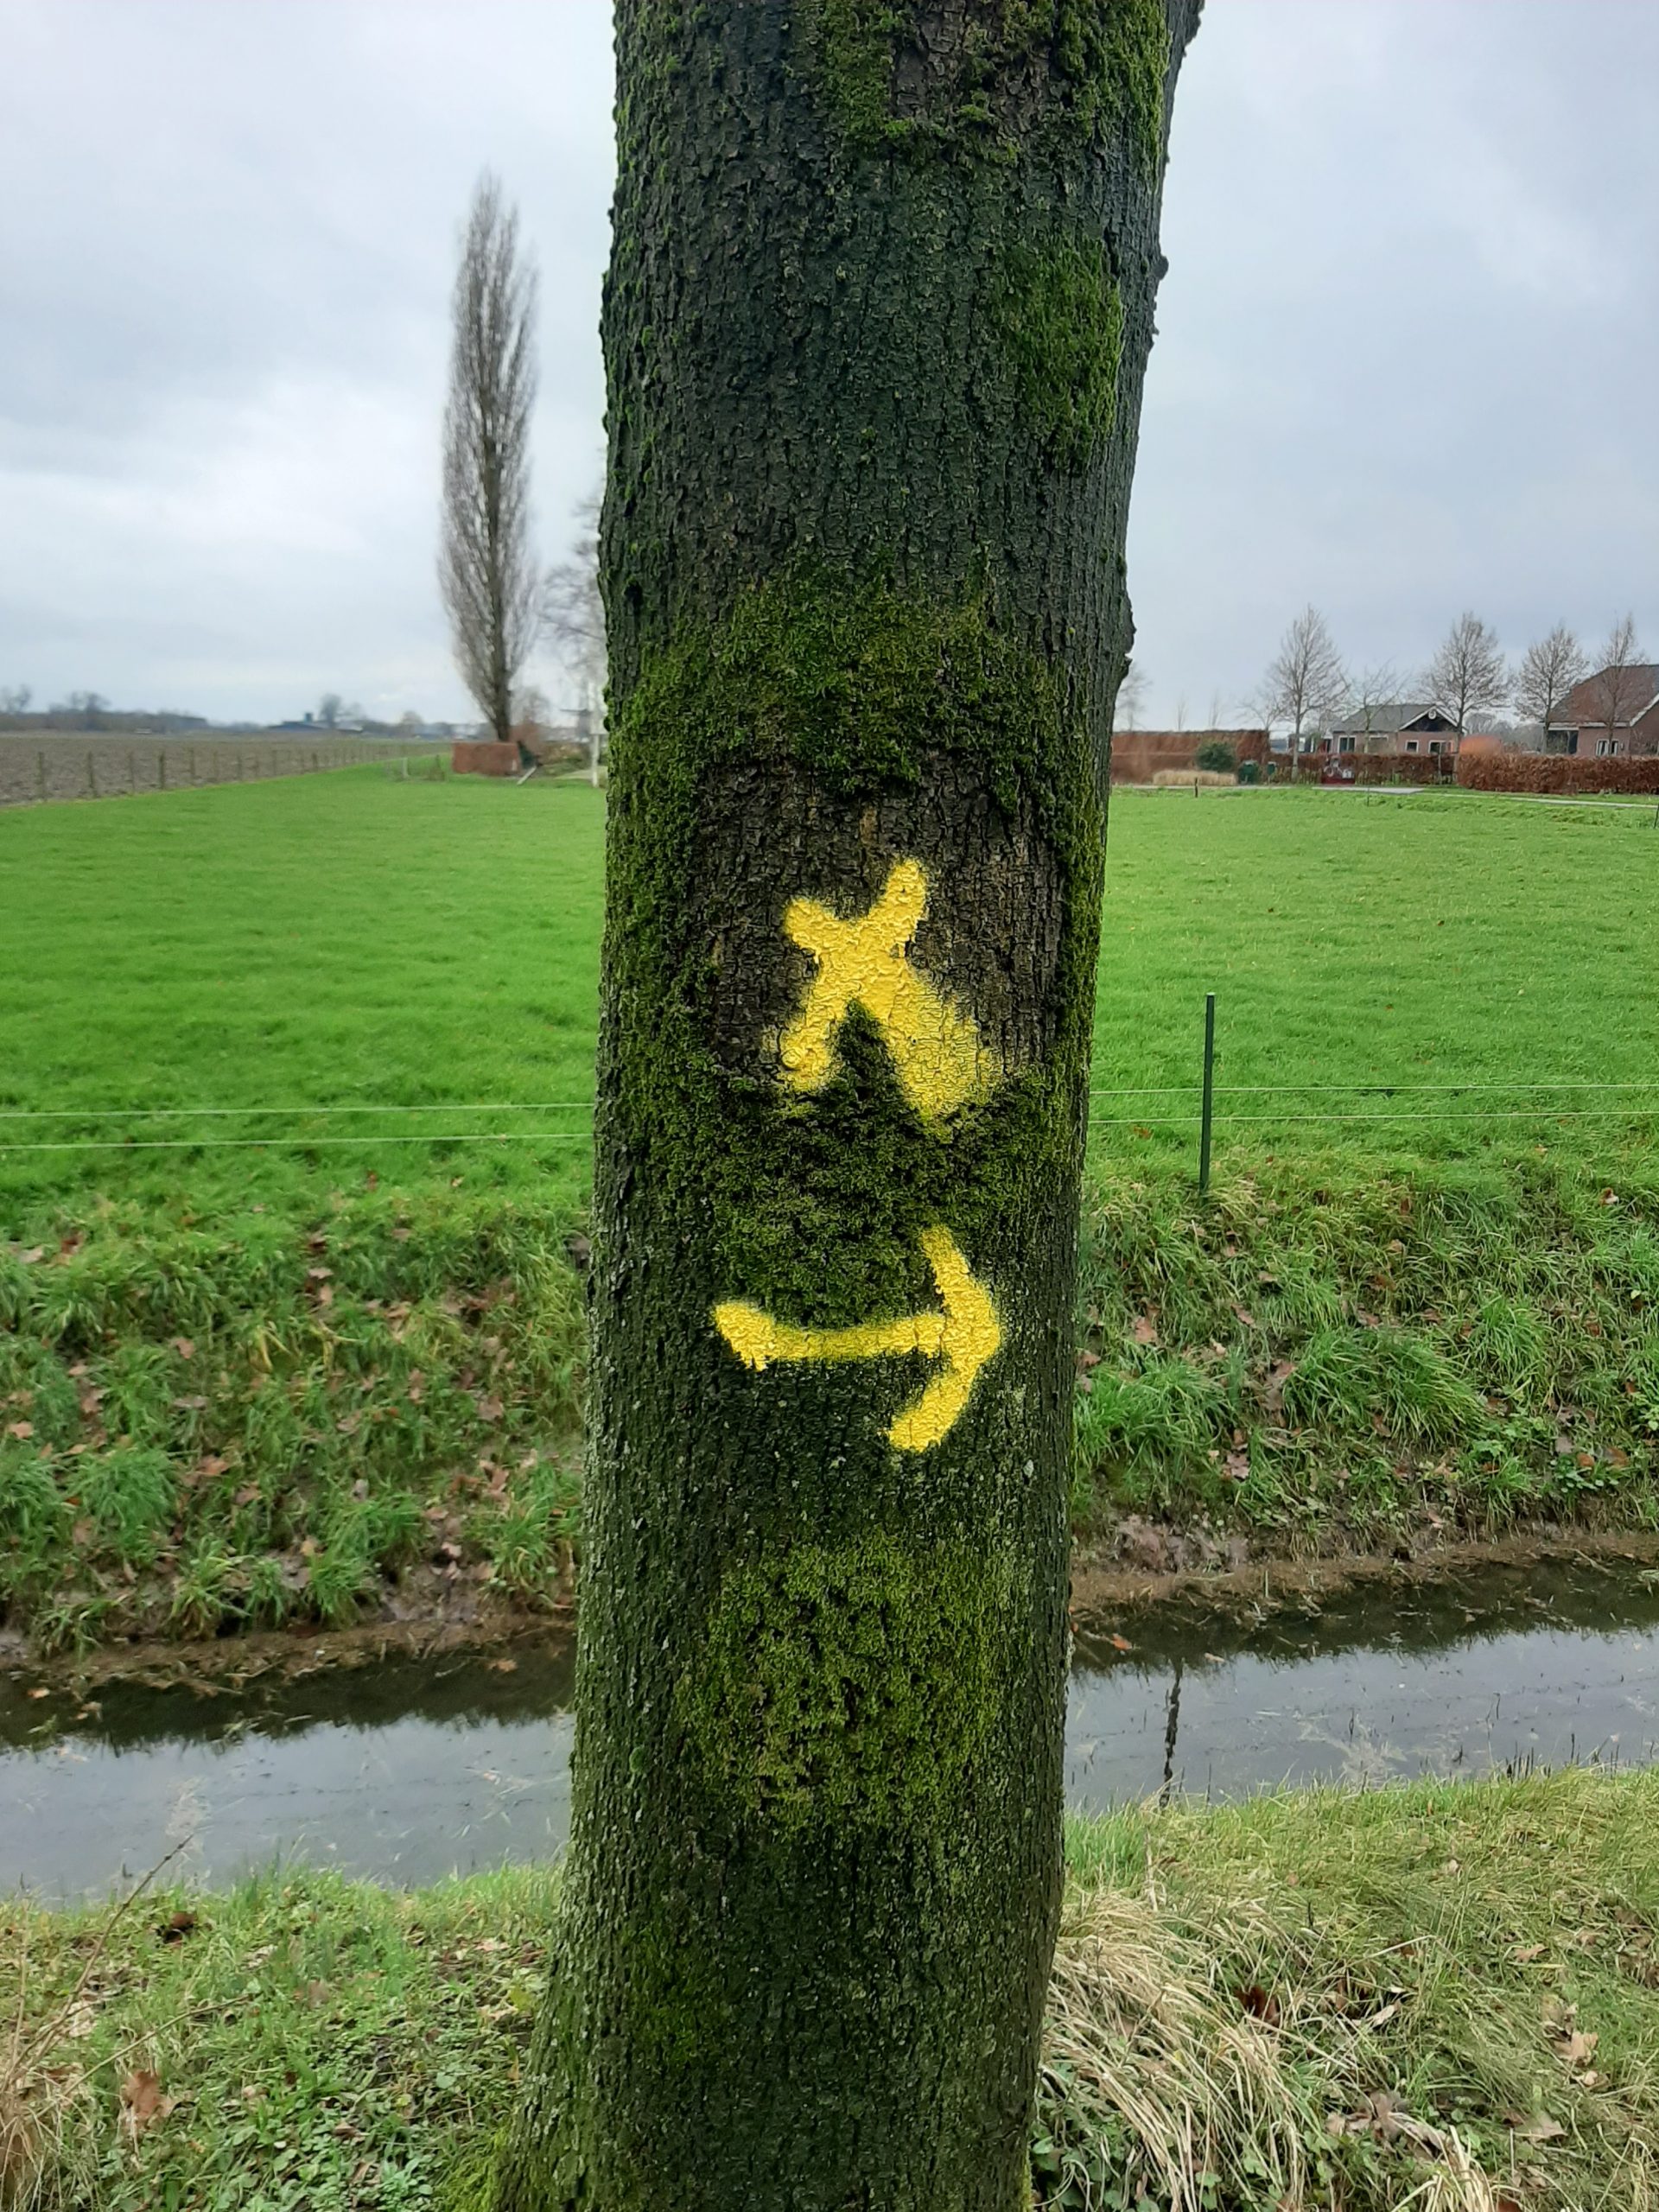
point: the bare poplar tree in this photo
(1619, 683)
(1550, 669)
(486, 565)
(1468, 676)
(573, 616)
(1307, 681)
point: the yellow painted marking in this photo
(936, 1047)
(965, 1335)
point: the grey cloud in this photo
(1406, 344)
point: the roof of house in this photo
(1586, 704)
(1387, 720)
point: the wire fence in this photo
(1552, 1099)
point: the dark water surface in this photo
(410, 1770)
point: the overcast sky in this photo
(1408, 353)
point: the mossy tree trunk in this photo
(878, 314)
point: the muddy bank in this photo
(1263, 1581)
(432, 1618)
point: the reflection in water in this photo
(409, 1770)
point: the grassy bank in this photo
(318, 1351)
(377, 1408)
(1442, 1995)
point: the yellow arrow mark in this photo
(936, 1048)
(965, 1335)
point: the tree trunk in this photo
(879, 310)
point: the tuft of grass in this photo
(1436, 1995)
(1444, 1996)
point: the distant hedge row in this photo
(1555, 772)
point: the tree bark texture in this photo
(878, 314)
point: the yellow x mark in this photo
(936, 1048)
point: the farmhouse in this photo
(1401, 725)
(1612, 713)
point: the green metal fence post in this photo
(1207, 1112)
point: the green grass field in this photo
(294, 1082)
(355, 941)
(1440, 1996)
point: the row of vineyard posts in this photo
(199, 766)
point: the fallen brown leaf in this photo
(1539, 2129)
(143, 2103)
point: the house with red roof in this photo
(1614, 714)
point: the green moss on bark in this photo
(1062, 319)
(850, 1686)
(1107, 60)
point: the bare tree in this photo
(1374, 688)
(573, 616)
(1307, 681)
(16, 701)
(80, 710)
(1550, 669)
(486, 565)
(1619, 685)
(1129, 713)
(1468, 676)
(530, 710)
(329, 709)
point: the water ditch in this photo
(407, 1769)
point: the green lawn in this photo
(1351, 940)
(1439, 1995)
(255, 1360)
(336, 941)
(355, 940)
